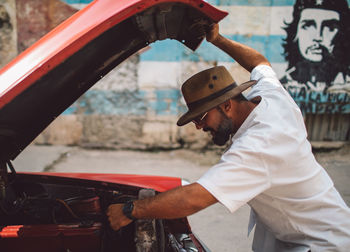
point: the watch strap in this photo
(128, 207)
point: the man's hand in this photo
(116, 217)
(213, 33)
(246, 56)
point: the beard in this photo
(223, 133)
(323, 71)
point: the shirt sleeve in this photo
(268, 85)
(262, 71)
(237, 178)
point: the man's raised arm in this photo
(246, 56)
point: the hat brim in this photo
(192, 114)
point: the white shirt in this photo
(271, 167)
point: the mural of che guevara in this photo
(317, 49)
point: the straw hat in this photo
(208, 89)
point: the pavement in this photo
(220, 230)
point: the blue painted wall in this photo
(266, 38)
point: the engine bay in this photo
(49, 213)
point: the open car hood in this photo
(49, 76)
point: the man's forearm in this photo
(246, 56)
(176, 203)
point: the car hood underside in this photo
(48, 77)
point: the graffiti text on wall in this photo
(318, 102)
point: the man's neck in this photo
(245, 108)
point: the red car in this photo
(66, 212)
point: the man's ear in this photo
(227, 105)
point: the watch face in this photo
(127, 210)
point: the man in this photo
(269, 164)
(317, 45)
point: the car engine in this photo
(51, 213)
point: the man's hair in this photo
(335, 63)
(240, 97)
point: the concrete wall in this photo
(8, 33)
(137, 104)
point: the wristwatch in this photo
(127, 210)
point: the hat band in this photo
(211, 97)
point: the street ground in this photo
(220, 230)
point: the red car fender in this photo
(158, 183)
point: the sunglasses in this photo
(199, 118)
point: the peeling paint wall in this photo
(8, 34)
(35, 18)
(137, 104)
